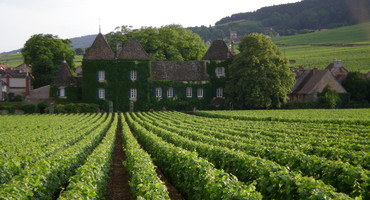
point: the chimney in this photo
(338, 64)
(118, 48)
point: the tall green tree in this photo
(45, 53)
(171, 42)
(259, 77)
(357, 87)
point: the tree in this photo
(329, 98)
(79, 51)
(356, 86)
(45, 53)
(171, 42)
(259, 77)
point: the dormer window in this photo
(133, 75)
(101, 76)
(220, 71)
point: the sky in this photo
(20, 19)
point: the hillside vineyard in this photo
(209, 155)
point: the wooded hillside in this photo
(288, 19)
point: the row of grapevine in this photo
(273, 180)
(16, 154)
(346, 178)
(214, 156)
(314, 130)
(311, 146)
(144, 183)
(91, 179)
(43, 178)
(195, 177)
(340, 116)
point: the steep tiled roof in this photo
(314, 81)
(179, 71)
(24, 68)
(132, 50)
(99, 50)
(218, 51)
(64, 76)
(15, 74)
(302, 80)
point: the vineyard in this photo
(285, 154)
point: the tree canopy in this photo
(171, 42)
(358, 87)
(259, 77)
(45, 53)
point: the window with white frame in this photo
(170, 92)
(101, 93)
(220, 71)
(61, 92)
(189, 92)
(133, 75)
(158, 92)
(133, 93)
(220, 92)
(101, 75)
(200, 92)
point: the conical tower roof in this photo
(64, 76)
(99, 50)
(132, 50)
(218, 51)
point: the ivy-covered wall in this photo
(218, 82)
(179, 101)
(117, 85)
(72, 93)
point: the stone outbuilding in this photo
(312, 82)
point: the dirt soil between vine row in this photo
(118, 187)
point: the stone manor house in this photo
(129, 80)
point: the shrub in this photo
(42, 107)
(14, 98)
(329, 98)
(59, 108)
(74, 108)
(28, 108)
(10, 109)
(303, 105)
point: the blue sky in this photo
(20, 19)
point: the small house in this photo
(312, 82)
